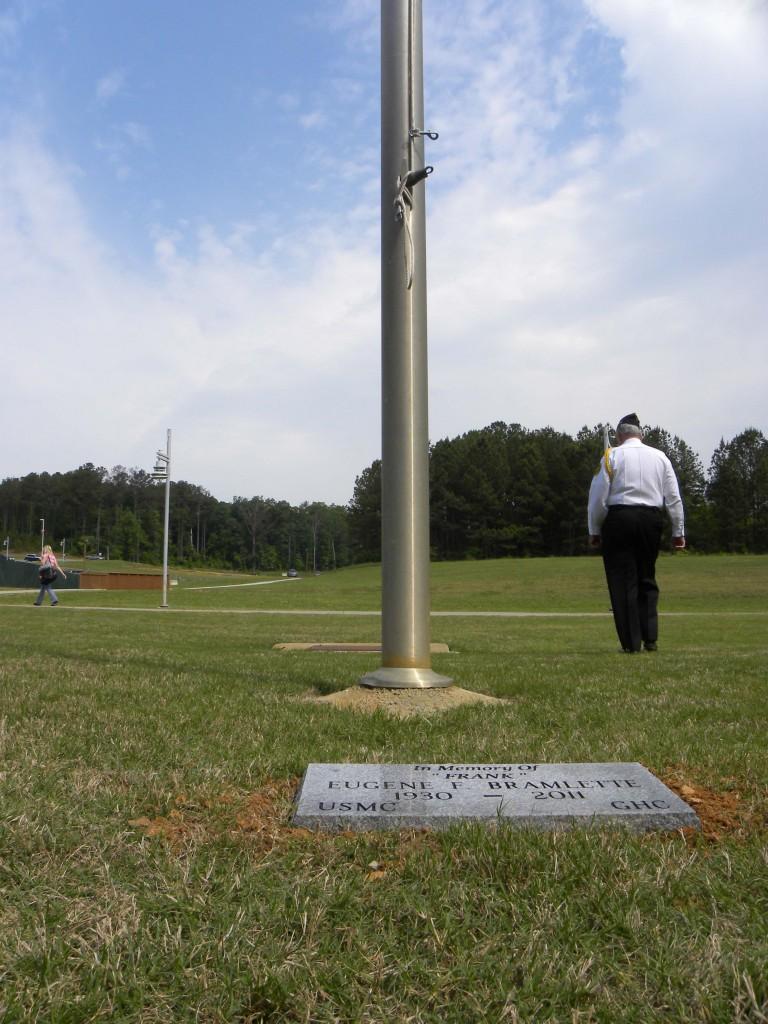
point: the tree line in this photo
(509, 491)
(120, 514)
(500, 491)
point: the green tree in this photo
(129, 538)
(693, 485)
(738, 491)
(252, 513)
(364, 511)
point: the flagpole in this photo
(405, 622)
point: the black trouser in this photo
(631, 537)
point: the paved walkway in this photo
(372, 614)
(235, 586)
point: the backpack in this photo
(47, 573)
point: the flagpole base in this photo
(405, 679)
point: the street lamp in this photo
(162, 471)
(42, 536)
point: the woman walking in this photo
(49, 570)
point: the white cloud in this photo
(259, 363)
(136, 134)
(120, 145)
(577, 268)
(619, 273)
(9, 28)
(110, 85)
(314, 119)
(16, 14)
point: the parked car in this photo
(292, 572)
(31, 558)
(95, 558)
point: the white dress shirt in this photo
(634, 474)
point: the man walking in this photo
(626, 500)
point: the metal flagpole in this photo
(405, 633)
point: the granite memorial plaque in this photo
(339, 797)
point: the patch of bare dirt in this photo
(724, 813)
(404, 703)
(261, 816)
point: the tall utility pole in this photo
(162, 471)
(405, 632)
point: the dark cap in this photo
(631, 419)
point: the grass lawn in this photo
(148, 760)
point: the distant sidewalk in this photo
(346, 613)
(258, 583)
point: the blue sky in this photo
(189, 220)
(190, 113)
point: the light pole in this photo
(405, 636)
(7, 543)
(162, 471)
(42, 537)
(315, 525)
